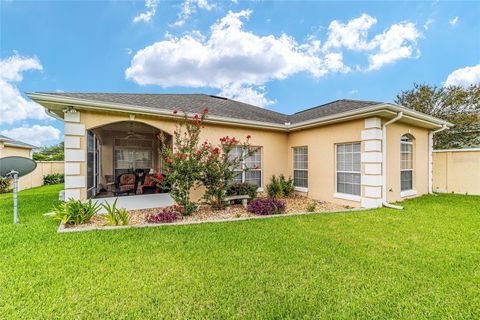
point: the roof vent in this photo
(217, 97)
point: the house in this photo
(356, 153)
(10, 147)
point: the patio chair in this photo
(126, 184)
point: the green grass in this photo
(423, 262)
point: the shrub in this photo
(166, 215)
(116, 216)
(123, 216)
(286, 185)
(311, 206)
(54, 178)
(242, 188)
(280, 187)
(274, 189)
(5, 184)
(75, 211)
(266, 206)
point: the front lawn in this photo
(423, 262)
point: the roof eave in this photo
(43, 98)
(110, 106)
(371, 111)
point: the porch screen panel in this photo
(348, 168)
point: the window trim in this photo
(342, 195)
(411, 191)
(299, 189)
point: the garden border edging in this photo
(63, 229)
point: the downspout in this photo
(430, 156)
(384, 162)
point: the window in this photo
(300, 167)
(251, 168)
(406, 163)
(348, 168)
(127, 160)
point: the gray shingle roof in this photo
(16, 143)
(219, 106)
(330, 108)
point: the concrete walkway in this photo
(144, 201)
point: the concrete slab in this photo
(144, 201)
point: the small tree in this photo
(221, 167)
(183, 164)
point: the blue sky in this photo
(282, 55)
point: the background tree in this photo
(52, 153)
(460, 106)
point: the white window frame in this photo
(343, 195)
(411, 191)
(243, 166)
(300, 189)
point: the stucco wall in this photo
(277, 152)
(321, 156)
(273, 143)
(420, 160)
(457, 171)
(8, 151)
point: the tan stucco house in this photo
(356, 153)
(10, 147)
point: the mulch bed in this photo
(294, 204)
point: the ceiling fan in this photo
(132, 135)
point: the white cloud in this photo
(228, 56)
(453, 21)
(427, 23)
(13, 106)
(247, 94)
(353, 91)
(351, 35)
(464, 77)
(151, 6)
(188, 8)
(36, 135)
(238, 62)
(397, 42)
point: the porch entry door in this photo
(93, 164)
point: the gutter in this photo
(53, 114)
(430, 157)
(384, 163)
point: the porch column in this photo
(75, 156)
(371, 178)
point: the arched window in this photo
(406, 162)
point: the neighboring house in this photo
(356, 153)
(10, 147)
